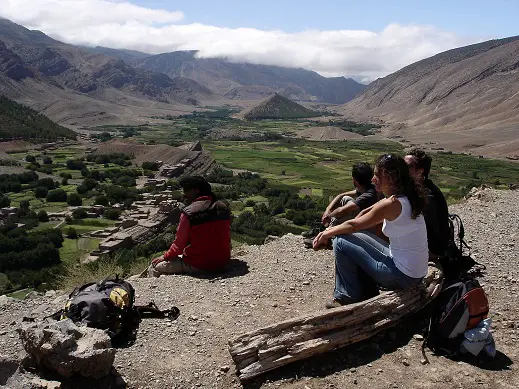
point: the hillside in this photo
(20, 122)
(279, 107)
(71, 84)
(465, 99)
(201, 161)
(244, 81)
(282, 280)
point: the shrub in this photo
(64, 181)
(5, 201)
(150, 165)
(75, 164)
(112, 214)
(47, 160)
(74, 199)
(66, 175)
(72, 233)
(30, 158)
(101, 200)
(47, 183)
(41, 192)
(42, 216)
(68, 220)
(250, 203)
(56, 195)
(79, 213)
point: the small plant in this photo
(72, 233)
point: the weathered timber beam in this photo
(270, 347)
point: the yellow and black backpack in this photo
(110, 305)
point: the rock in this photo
(31, 295)
(406, 362)
(8, 367)
(44, 384)
(68, 349)
(50, 293)
(270, 238)
(225, 368)
(4, 300)
(418, 337)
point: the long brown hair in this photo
(396, 170)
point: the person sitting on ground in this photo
(203, 239)
(362, 260)
(436, 213)
(347, 205)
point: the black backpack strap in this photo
(152, 311)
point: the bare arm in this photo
(385, 209)
(341, 211)
(335, 203)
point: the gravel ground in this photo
(282, 280)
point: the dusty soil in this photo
(282, 280)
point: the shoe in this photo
(336, 303)
(314, 231)
(308, 243)
(333, 304)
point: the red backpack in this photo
(458, 308)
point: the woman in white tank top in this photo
(362, 260)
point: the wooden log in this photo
(270, 347)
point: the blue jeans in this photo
(362, 261)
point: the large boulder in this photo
(68, 349)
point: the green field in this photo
(75, 249)
(326, 166)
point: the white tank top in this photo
(408, 241)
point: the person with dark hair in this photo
(203, 239)
(347, 205)
(362, 260)
(436, 212)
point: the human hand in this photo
(157, 260)
(320, 240)
(325, 219)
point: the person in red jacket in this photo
(203, 240)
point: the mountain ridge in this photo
(465, 99)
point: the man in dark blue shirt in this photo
(436, 213)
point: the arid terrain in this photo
(282, 280)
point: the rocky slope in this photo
(245, 81)
(465, 98)
(282, 280)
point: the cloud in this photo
(366, 55)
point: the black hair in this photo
(397, 172)
(196, 182)
(363, 173)
(422, 161)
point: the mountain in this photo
(128, 56)
(20, 122)
(244, 80)
(279, 107)
(464, 99)
(74, 85)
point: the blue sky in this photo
(487, 18)
(361, 39)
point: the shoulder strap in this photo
(152, 311)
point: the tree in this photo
(30, 158)
(64, 181)
(101, 200)
(74, 199)
(79, 213)
(112, 214)
(72, 233)
(41, 192)
(5, 201)
(68, 220)
(56, 195)
(150, 165)
(47, 183)
(43, 216)
(47, 160)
